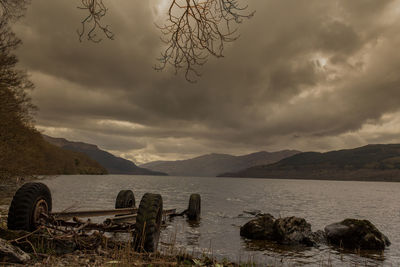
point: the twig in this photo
(83, 226)
(25, 236)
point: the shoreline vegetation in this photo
(44, 248)
(54, 247)
(49, 247)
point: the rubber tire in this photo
(125, 199)
(194, 209)
(148, 223)
(20, 213)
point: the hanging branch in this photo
(92, 23)
(196, 29)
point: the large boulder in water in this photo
(356, 234)
(289, 230)
(261, 228)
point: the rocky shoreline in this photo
(352, 234)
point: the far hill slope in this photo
(28, 154)
(371, 162)
(113, 164)
(214, 164)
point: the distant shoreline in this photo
(393, 179)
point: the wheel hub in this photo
(41, 207)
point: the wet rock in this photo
(319, 237)
(261, 228)
(356, 234)
(10, 253)
(293, 230)
(289, 230)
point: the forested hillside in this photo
(23, 152)
(371, 162)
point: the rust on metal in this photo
(87, 226)
(40, 208)
(130, 218)
(93, 213)
(124, 223)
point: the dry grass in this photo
(3, 218)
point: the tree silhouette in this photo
(12, 9)
(13, 80)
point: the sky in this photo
(309, 75)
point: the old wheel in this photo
(148, 223)
(28, 204)
(125, 199)
(194, 209)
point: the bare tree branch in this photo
(92, 22)
(196, 29)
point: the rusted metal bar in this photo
(130, 218)
(95, 226)
(169, 212)
(93, 213)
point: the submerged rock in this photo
(289, 230)
(356, 234)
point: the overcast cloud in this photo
(305, 74)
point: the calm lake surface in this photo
(225, 199)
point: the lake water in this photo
(225, 199)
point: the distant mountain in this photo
(214, 164)
(113, 164)
(371, 162)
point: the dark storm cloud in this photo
(305, 74)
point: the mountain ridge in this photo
(373, 162)
(113, 164)
(212, 164)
